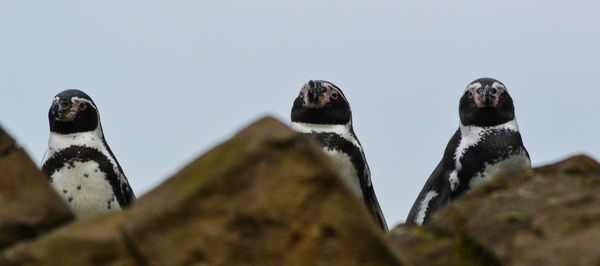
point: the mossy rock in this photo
(29, 206)
(268, 196)
(544, 216)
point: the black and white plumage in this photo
(79, 163)
(322, 111)
(487, 143)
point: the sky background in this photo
(175, 78)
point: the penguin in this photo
(487, 143)
(322, 111)
(78, 162)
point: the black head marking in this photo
(486, 102)
(321, 102)
(73, 111)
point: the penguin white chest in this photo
(513, 162)
(85, 189)
(347, 169)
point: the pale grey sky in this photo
(174, 78)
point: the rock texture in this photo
(29, 206)
(419, 246)
(266, 197)
(545, 216)
(271, 197)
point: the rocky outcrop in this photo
(267, 196)
(544, 216)
(28, 205)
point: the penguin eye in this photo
(334, 95)
(82, 106)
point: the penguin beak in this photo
(63, 110)
(315, 96)
(316, 93)
(487, 96)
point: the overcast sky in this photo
(175, 78)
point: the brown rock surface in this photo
(544, 216)
(29, 206)
(421, 248)
(267, 196)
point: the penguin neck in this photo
(475, 131)
(471, 136)
(92, 139)
(344, 130)
(322, 128)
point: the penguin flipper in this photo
(437, 191)
(430, 199)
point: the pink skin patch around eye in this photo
(323, 99)
(329, 93)
(479, 103)
(72, 113)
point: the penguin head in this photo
(486, 102)
(321, 102)
(73, 111)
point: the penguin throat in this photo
(345, 131)
(57, 141)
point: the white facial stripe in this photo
(77, 99)
(58, 142)
(475, 85)
(498, 85)
(332, 87)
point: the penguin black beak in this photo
(63, 110)
(315, 93)
(487, 95)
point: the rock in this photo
(30, 206)
(544, 216)
(421, 247)
(267, 196)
